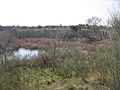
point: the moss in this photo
(26, 77)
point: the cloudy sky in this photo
(53, 12)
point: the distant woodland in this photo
(66, 32)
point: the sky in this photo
(54, 12)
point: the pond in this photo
(27, 53)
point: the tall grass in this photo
(18, 74)
(65, 63)
(108, 57)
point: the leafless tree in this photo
(94, 21)
(6, 42)
(6, 46)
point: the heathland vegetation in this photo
(81, 57)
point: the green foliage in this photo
(23, 78)
(73, 65)
(108, 63)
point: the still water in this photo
(27, 53)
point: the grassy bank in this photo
(56, 70)
(67, 64)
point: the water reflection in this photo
(27, 53)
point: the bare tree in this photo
(6, 42)
(94, 21)
(6, 46)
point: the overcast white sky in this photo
(53, 12)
